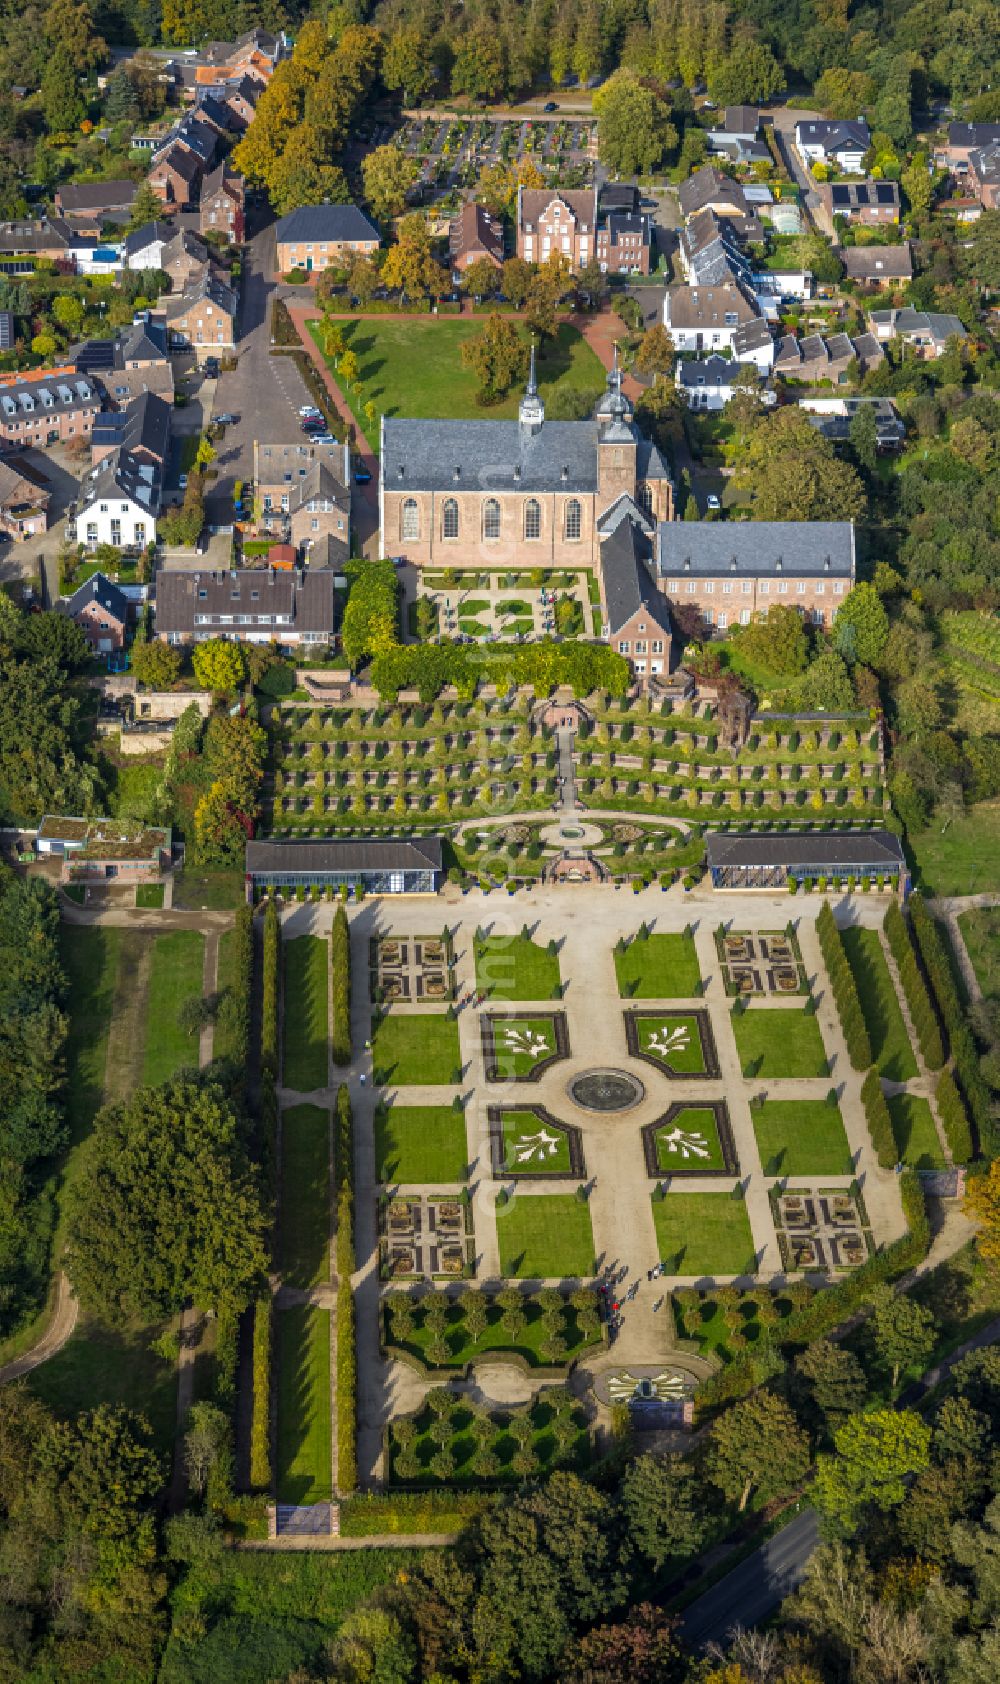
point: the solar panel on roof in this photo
(841, 195)
(884, 193)
(862, 192)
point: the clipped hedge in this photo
(954, 1118)
(347, 1366)
(925, 1018)
(340, 952)
(378, 1514)
(879, 1120)
(269, 1019)
(242, 985)
(260, 1423)
(845, 990)
(937, 964)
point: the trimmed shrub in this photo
(260, 1423)
(954, 1118)
(845, 991)
(340, 952)
(934, 954)
(879, 1120)
(269, 1019)
(347, 1377)
(925, 1019)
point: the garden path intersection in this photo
(732, 1236)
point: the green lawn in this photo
(659, 968)
(149, 895)
(463, 1445)
(412, 366)
(177, 970)
(545, 1237)
(90, 960)
(514, 968)
(707, 1324)
(420, 1143)
(674, 1042)
(101, 1364)
(701, 1149)
(419, 1048)
(305, 1195)
(981, 930)
(801, 1137)
(305, 1020)
(890, 1043)
(704, 1234)
(913, 1126)
(961, 858)
(517, 1045)
(216, 891)
(462, 1348)
(304, 1471)
(779, 1043)
(223, 1045)
(523, 1151)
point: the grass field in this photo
(514, 968)
(779, 1043)
(703, 1151)
(305, 1020)
(420, 1143)
(659, 968)
(222, 1044)
(801, 1137)
(149, 895)
(304, 1470)
(891, 1048)
(176, 973)
(305, 1195)
(521, 1152)
(90, 960)
(548, 1237)
(913, 1126)
(515, 1041)
(674, 1042)
(99, 1365)
(420, 1048)
(212, 891)
(704, 1234)
(962, 858)
(413, 367)
(981, 930)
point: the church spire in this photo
(532, 411)
(532, 389)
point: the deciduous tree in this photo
(498, 356)
(388, 174)
(757, 1445)
(634, 127)
(874, 1456)
(218, 665)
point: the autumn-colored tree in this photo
(481, 279)
(218, 665)
(388, 174)
(498, 184)
(498, 356)
(634, 129)
(516, 277)
(656, 351)
(409, 266)
(982, 1203)
(407, 63)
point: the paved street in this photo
(755, 1588)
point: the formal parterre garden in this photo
(545, 1329)
(455, 1441)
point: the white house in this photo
(119, 502)
(707, 318)
(709, 382)
(842, 144)
(755, 344)
(144, 248)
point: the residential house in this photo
(710, 382)
(99, 850)
(709, 189)
(247, 605)
(813, 358)
(211, 108)
(48, 406)
(240, 99)
(833, 416)
(93, 203)
(24, 500)
(983, 175)
(100, 610)
(963, 140)
(143, 249)
(549, 221)
(711, 253)
(175, 175)
(925, 332)
(534, 491)
(200, 136)
(475, 234)
(839, 145)
(707, 318)
(185, 259)
(119, 503)
(303, 492)
(222, 209)
(23, 243)
(732, 570)
(878, 266)
(737, 139)
(203, 318)
(637, 621)
(869, 204)
(136, 361)
(624, 232)
(319, 236)
(754, 343)
(142, 428)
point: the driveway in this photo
(784, 120)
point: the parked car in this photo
(712, 502)
(361, 476)
(211, 367)
(182, 482)
(309, 409)
(550, 105)
(226, 420)
(323, 438)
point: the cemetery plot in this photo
(545, 1237)
(779, 1043)
(426, 1235)
(704, 1234)
(415, 1049)
(452, 1441)
(420, 1143)
(658, 967)
(547, 1328)
(801, 1137)
(681, 1043)
(520, 1046)
(691, 1140)
(529, 1141)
